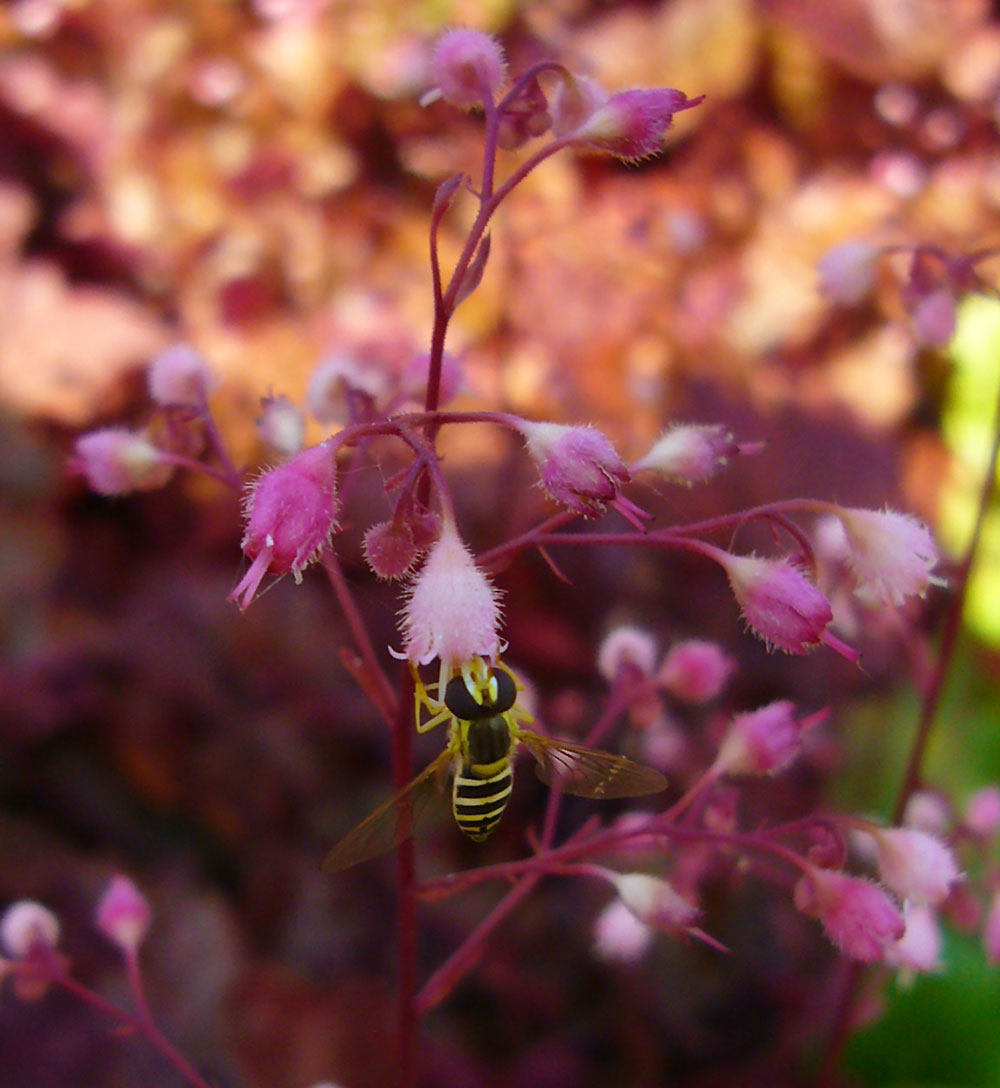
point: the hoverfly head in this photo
(471, 701)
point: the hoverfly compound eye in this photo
(506, 691)
(462, 703)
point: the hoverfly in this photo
(484, 734)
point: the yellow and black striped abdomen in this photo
(478, 802)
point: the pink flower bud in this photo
(468, 67)
(653, 901)
(578, 465)
(689, 453)
(991, 931)
(890, 554)
(336, 379)
(117, 461)
(982, 812)
(281, 425)
(927, 811)
(452, 611)
(764, 741)
(390, 550)
(695, 671)
(626, 647)
(123, 914)
(619, 936)
(934, 316)
(919, 949)
(631, 124)
(291, 513)
(26, 924)
(179, 377)
(780, 605)
(858, 916)
(917, 866)
(847, 272)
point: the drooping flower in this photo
(781, 605)
(467, 67)
(452, 610)
(654, 901)
(763, 741)
(631, 124)
(619, 936)
(695, 670)
(179, 377)
(917, 866)
(626, 647)
(890, 554)
(291, 513)
(117, 461)
(858, 916)
(689, 453)
(918, 951)
(579, 468)
(339, 377)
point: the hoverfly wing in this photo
(393, 821)
(587, 772)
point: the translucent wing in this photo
(393, 821)
(586, 772)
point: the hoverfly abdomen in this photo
(485, 777)
(478, 803)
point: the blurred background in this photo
(255, 178)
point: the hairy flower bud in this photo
(689, 453)
(626, 647)
(654, 901)
(619, 936)
(291, 513)
(117, 461)
(695, 671)
(178, 376)
(919, 949)
(467, 67)
(915, 865)
(858, 916)
(631, 124)
(339, 377)
(452, 611)
(578, 467)
(123, 914)
(763, 741)
(780, 605)
(389, 549)
(890, 554)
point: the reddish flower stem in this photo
(142, 1025)
(406, 904)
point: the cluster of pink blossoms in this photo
(451, 611)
